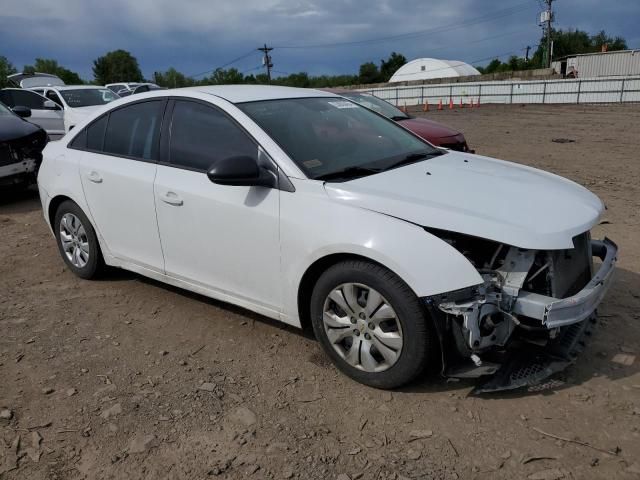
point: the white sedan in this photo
(310, 209)
(76, 101)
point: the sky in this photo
(328, 36)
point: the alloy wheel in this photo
(362, 327)
(73, 238)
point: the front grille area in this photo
(7, 155)
(567, 271)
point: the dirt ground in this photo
(128, 378)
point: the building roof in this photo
(632, 51)
(427, 68)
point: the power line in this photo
(441, 29)
(251, 52)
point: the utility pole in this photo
(266, 60)
(526, 56)
(547, 19)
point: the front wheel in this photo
(371, 324)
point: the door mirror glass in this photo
(240, 170)
(51, 105)
(21, 111)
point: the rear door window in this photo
(95, 133)
(133, 131)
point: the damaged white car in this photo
(315, 211)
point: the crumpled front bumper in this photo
(554, 312)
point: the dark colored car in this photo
(433, 132)
(146, 87)
(21, 144)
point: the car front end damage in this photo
(528, 318)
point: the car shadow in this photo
(19, 200)
(617, 331)
(613, 343)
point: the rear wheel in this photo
(371, 324)
(77, 241)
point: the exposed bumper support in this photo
(555, 312)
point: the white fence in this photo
(583, 90)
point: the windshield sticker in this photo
(312, 163)
(343, 104)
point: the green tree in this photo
(47, 65)
(300, 79)
(223, 77)
(369, 73)
(6, 69)
(389, 66)
(172, 79)
(116, 66)
(575, 42)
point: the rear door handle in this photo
(172, 199)
(94, 177)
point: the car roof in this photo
(72, 87)
(254, 93)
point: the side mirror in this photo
(24, 112)
(241, 171)
(51, 105)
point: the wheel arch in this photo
(58, 200)
(311, 276)
(54, 204)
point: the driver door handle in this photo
(94, 177)
(172, 199)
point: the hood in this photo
(84, 111)
(13, 127)
(428, 129)
(479, 196)
(74, 115)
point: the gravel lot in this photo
(128, 378)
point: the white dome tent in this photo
(427, 68)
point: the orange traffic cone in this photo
(450, 103)
(426, 107)
(440, 105)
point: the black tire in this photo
(94, 266)
(412, 316)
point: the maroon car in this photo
(433, 132)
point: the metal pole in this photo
(549, 2)
(267, 60)
(579, 88)
(622, 90)
(511, 95)
(544, 92)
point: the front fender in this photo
(425, 262)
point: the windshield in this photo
(86, 97)
(41, 81)
(377, 105)
(329, 135)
